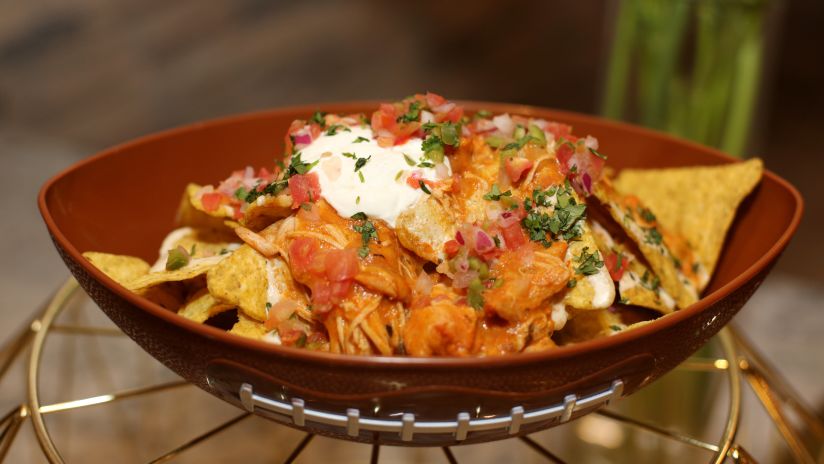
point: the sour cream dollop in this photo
(383, 193)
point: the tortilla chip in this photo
(589, 325)
(590, 292)
(195, 268)
(200, 243)
(169, 295)
(120, 268)
(191, 213)
(266, 210)
(248, 327)
(659, 255)
(424, 227)
(201, 306)
(243, 280)
(699, 203)
(636, 286)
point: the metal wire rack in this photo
(739, 363)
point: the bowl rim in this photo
(405, 362)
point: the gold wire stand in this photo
(739, 360)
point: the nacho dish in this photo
(422, 230)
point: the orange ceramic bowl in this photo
(123, 200)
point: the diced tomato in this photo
(454, 115)
(303, 252)
(560, 130)
(616, 265)
(211, 201)
(564, 154)
(290, 332)
(434, 100)
(341, 265)
(279, 312)
(451, 247)
(305, 188)
(514, 235)
(516, 167)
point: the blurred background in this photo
(746, 76)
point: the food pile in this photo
(423, 230)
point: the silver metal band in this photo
(407, 427)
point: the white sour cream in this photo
(380, 195)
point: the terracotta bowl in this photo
(123, 200)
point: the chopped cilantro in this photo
(652, 236)
(597, 153)
(361, 162)
(297, 166)
(334, 128)
(676, 262)
(650, 282)
(497, 241)
(495, 194)
(268, 305)
(399, 174)
(367, 231)
(349, 155)
(360, 176)
(241, 193)
(495, 141)
(482, 114)
(413, 114)
(361, 139)
(646, 214)
(301, 340)
(695, 267)
(408, 160)
(273, 188)
(623, 300)
(589, 263)
(424, 187)
(615, 328)
(223, 251)
(571, 283)
(357, 200)
(319, 118)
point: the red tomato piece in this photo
(516, 167)
(616, 265)
(305, 188)
(341, 265)
(514, 236)
(451, 247)
(302, 254)
(211, 201)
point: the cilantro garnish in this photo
(413, 114)
(495, 194)
(565, 220)
(319, 118)
(360, 176)
(241, 193)
(424, 187)
(271, 189)
(571, 283)
(361, 162)
(650, 282)
(349, 155)
(597, 153)
(177, 258)
(361, 139)
(367, 231)
(652, 236)
(589, 263)
(438, 136)
(615, 328)
(334, 128)
(646, 214)
(297, 166)
(482, 114)
(399, 174)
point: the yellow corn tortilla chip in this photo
(636, 286)
(191, 213)
(593, 291)
(589, 325)
(660, 258)
(266, 210)
(248, 327)
(196, 267)
(120, 268)
(699, 203)
(200, 243)
(201, 306)
(169, 295)
(249, 281)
